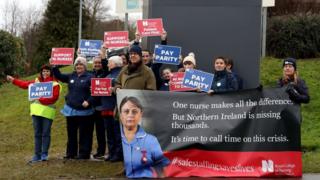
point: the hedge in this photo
(295, 36)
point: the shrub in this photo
(12, 55)
(295, 36)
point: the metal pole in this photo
(126, 20)
(80, 23)
(264, 31)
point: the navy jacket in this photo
(224, 81)
(109, 102)
(78, 88)
(298, 93)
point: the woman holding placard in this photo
(107, 108)
(42, 112)
(78, 110)
(223, 81)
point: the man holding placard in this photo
(136, 75)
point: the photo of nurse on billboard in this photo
(143, 156)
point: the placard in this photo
(176, 81)
(90, 48)
(101, 87)
(62, 56)
(116, 39)
(167, 54)
(150, 27)
(40, 90)
(198, 79)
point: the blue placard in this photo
(38, 90)
(167, 54)
(90, 48)
(198, 79)
(132, 4)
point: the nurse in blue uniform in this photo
(143, 157)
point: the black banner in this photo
(245, 121)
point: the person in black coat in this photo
(100, 70)
(78, 109)
(223, 80)
(295, 86)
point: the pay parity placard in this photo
(90, 48)
(167, 54)
(198, 79)
(40, 90)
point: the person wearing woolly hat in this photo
(78, 110)
(136, 75)
(290, 61)
(295, 86)
(81, 60)
(136, 49)
(189, 62)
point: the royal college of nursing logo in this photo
(145, 23)
(267, 166)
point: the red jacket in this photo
(45, 101)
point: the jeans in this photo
(42, 135)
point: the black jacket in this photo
(298, 93)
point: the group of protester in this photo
(134, 70)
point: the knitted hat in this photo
(291, 61)
(136, 49)
(117, 60)
(81, 60)
(190, 58)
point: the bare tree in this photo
(97, 12)
(12, 17)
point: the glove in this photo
(260, 87)
(293, 93)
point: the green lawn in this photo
(309, 71)
(16, 133)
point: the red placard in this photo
(176, 82)
(150, 27)
(116, 39)
(62, 56)
(100, 86)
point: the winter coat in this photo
(224, 81)
(109, 102)
(298, 93)
(78, 88)
(143, 78)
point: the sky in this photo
(39, 4)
